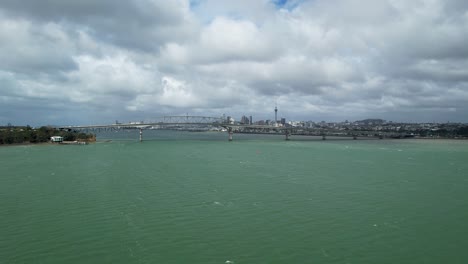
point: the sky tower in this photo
(276, 114)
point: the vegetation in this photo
(20, 134)
(463, 131)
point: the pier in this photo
(73, 143)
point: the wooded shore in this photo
(20, 135)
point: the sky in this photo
(95, 62)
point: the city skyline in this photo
(86, 62)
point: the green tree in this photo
(69, 136)
(462, 131)
(43, 134)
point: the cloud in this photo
(223, 40)
(137, 24)
(29, 48)
(344, 59)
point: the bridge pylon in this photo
(230, 133)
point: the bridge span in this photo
(304, 131)
(171, 122)
(156, 123)
(159, 121)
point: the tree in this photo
(463, 131)
(69, 136)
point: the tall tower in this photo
(276, 114)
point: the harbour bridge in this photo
(191, 122)
(159, 121)
(163, 122)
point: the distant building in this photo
(245, 120)
(309, 124)
(56, 139)
(260, 122)
(276, 114)
(229, 120)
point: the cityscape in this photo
(371, 127)
(425, 130)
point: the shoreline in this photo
(26, 144)
(46, 143)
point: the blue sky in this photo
(287, 4)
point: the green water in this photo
(197, 198)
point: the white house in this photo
(56, 139)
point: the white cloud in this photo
(26, 47)
(318, 59)
(223, 40)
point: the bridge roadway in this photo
(164, 120)
(323, 132)
(171, 121)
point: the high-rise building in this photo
(245, 120)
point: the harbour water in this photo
(181, 197)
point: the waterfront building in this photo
(56, 139)
(230, 120)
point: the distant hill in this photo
(371, 121)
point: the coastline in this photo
(47, 143)
(26, 144)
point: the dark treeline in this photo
(463, 131)
(18, 135)
(444, 132)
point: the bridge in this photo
(305, 131)
(156, 123)
(159, 121)
(171, 122)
